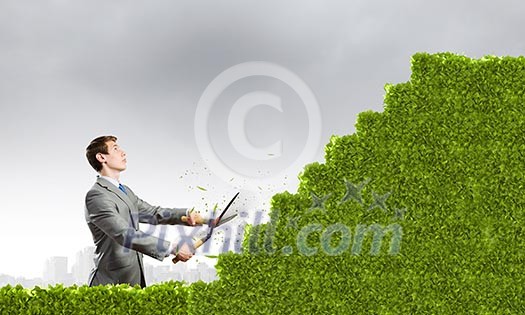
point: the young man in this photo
(113, 213)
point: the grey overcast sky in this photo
(73, 70)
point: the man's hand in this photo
(194, 218)
(184, 253)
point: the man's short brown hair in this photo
(98, 145)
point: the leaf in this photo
(215, 209)
(201, 188)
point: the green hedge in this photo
(439, 173)
(167, 298)
(448, 154)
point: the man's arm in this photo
(102, 212)
(154, 214)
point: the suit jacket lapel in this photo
(109, 186)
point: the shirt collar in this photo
(111, 180)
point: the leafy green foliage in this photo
(167, 298)
(444, 162)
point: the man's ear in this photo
(100, 158)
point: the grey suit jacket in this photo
(113, 218)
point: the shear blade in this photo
(221, 222)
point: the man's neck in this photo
(113, 174)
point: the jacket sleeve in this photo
(102, 212)
(154, 214)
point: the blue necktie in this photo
(122, 188)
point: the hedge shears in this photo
(212, 224)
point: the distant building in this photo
(206, 273)
(55, 270)
(148, 274)
(190, 277)
(7, 279)
(161, 274)
(83, 265)
(179, 272)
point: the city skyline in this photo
(57, 270)
(227, 237)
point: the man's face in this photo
(116, 157)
